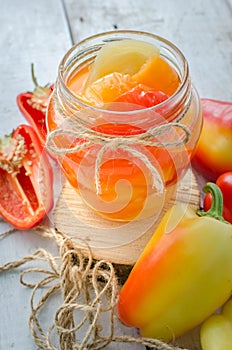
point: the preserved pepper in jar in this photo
(123, 122)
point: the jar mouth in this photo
(82, 48)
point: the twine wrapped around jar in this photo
(126, 143)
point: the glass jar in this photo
(123, 162)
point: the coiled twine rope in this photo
(89, 290)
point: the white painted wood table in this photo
(41, 32)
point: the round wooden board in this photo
(117, 242)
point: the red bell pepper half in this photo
(26, 179)
(224, 182)
(33, 107)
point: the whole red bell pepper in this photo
(33, 106)
(224, 181)
(26, 180)
(213, 154)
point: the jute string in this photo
(89, 289)
(126, 143)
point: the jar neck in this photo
(82, 54)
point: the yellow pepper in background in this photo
(216, 331)
(183, 275)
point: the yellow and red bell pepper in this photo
(216, 331)
(213, 154)
(183, 275)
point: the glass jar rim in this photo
(170, 99)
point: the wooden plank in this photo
(31, 31)
(201, 29)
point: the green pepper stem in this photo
(216, 209)
(34, 79)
